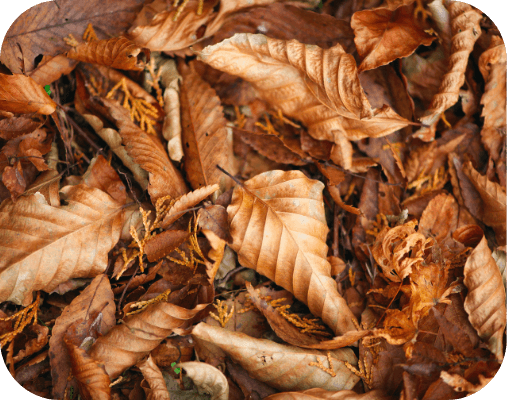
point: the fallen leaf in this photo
(152, 374)
(119, 53)
(12, 127)
(321, 394)
(283, 367)
(21, 94)
(164, 243)
(59, 243)
(386, 33)
(460, 384)
(34, 345)
(207, 378)
(52, 68)
(269, 217)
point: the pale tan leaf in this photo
(119, 53)
(282, 367)
(485, 301)
(492, 65)
(321, 394)
(96, 298)
(492, 210)
(466, 30)
(187, 201)
(52, 68)
(41, 29)
(21, 94)
(206, 142)
(207, 378)
(147, 151)
(92, 379)
(128, 343)
(319, 87)
(278, 227)
(158, 389)
(43, 246)
(386, 33)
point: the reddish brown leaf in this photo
(321, 394)
(21, 94)
(12, 127)
(152, 374)
(52, 68)
(164, 243)
(119, 53)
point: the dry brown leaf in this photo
(206, 142)
(271, 217)
(128, 343)
(147, 151)
(214, 218)
(44, 246)
(92, 380)
(95, 298)
(485, 301)
(41, 29)
(386, 33)
(187, 201)
(52, 68)
(335, 194)
(492, 65)
(492, 210)
(207, 378)
(119, 53)
(164, 243)
(466, 30)
(282, 367)
(158, 389)
(33, 345)
(103, 176)
(21, 94)
(460, 384)
(12, 127)
(321, 394)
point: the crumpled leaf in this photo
(485, 301)
(128, 343)
(95, 298)
(271, 217)
(92, 380)
(492, 210)
(119, 53)
(321, 394)
(44, 246)
(466, 30)
(21, 94)
(152, 374)
(282, 367)
(147, 151)
(325, 94)
(492, 65)
(33, 345)
(41, 29)
(207, 378)
(386, 33)
(206, 142)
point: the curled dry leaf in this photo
(52, 68)
(466, 30)
(33, 345)
(21, 94)
(282, 367)
(187, 201)
(95, 298)
(41, 29)
(321, 394)
(147, 151)
(485, 301)
(492, 65)
(92, 380)
(44, 246)
(151, 372)
(386, 33)
(207, 378)
(119, 53)
(492, 209)
(271, 217)
(128, 343)
(206, 142)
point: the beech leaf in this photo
(44, 246)
(153, 375)
(21, 94)
(279, 229)
(321, 394)
(207, 378)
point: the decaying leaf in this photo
(321, 394)
(283, 367)
(58, 243)
(386, 33)
(128, 343)
(21, 94)
(207, 378)
(155, 379)
(270, 218)
(118, 53)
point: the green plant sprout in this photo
(176, 370)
